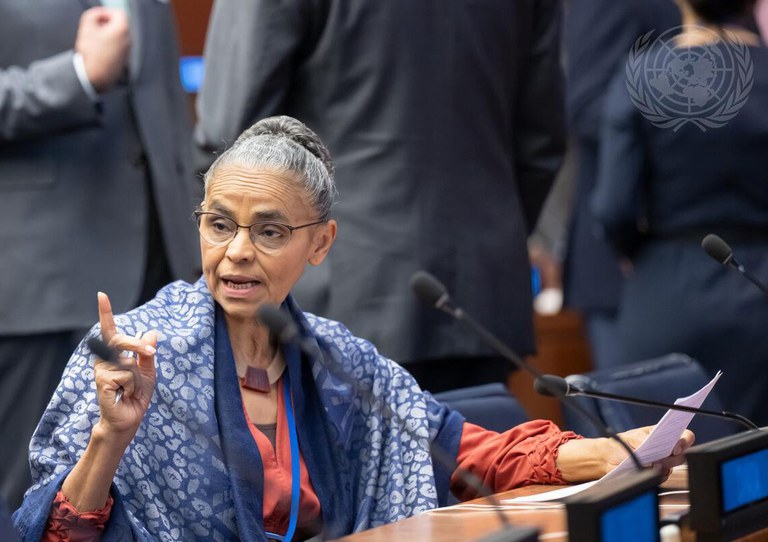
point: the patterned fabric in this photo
(174, 481)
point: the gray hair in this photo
(286, 144)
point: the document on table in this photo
(659, 444)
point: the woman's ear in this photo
(322, 242)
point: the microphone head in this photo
(717, 248)
(551, 386)
(102, 349)
(277, 322)
(428, 289)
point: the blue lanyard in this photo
(295, 467)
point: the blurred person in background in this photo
(598, 34)
(446, 121)
(93, 141)
(762, 19)
(546, 244)
(662, 189)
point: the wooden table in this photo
(474, 519)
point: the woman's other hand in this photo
(581, 460)
(635, 437)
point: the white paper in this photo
(663, 438)
(553, 495)
(659, 444)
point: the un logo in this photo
(705, 85)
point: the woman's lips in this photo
(239, 288)
(240, 285)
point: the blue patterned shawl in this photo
(193, 470)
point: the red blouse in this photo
(277, 474)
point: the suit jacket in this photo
(73, 177)
(595, 53)
(445, 122)
(683, 182)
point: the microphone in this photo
(556, 386)
(720, 251)
(282, 326)
(102, 349)
(433, 293)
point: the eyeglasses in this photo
(219, 230)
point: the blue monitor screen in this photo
(191, 69)
(744, 480)
(640, 512)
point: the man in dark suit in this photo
(445, 120)
(95, 188)
(598, 35)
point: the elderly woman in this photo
(214, 432)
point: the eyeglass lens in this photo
(219, 230)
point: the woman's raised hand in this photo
(135, 376)
(88, 484)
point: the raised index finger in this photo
(106, 319)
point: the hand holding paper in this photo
(659, 445)
(667, 432)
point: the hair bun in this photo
(296, 131)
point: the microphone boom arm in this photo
(573, 391)
(751, 278)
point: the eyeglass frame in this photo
(199, 213)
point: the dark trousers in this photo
(30, 370)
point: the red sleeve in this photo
(67, 524)
(522, 456)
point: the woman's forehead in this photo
(235, 187)
(254, 177)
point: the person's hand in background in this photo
(549, 298)
(104, 40)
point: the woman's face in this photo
(240, 276)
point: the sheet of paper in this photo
(667, 432)
(554, 495)
(659, 444)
